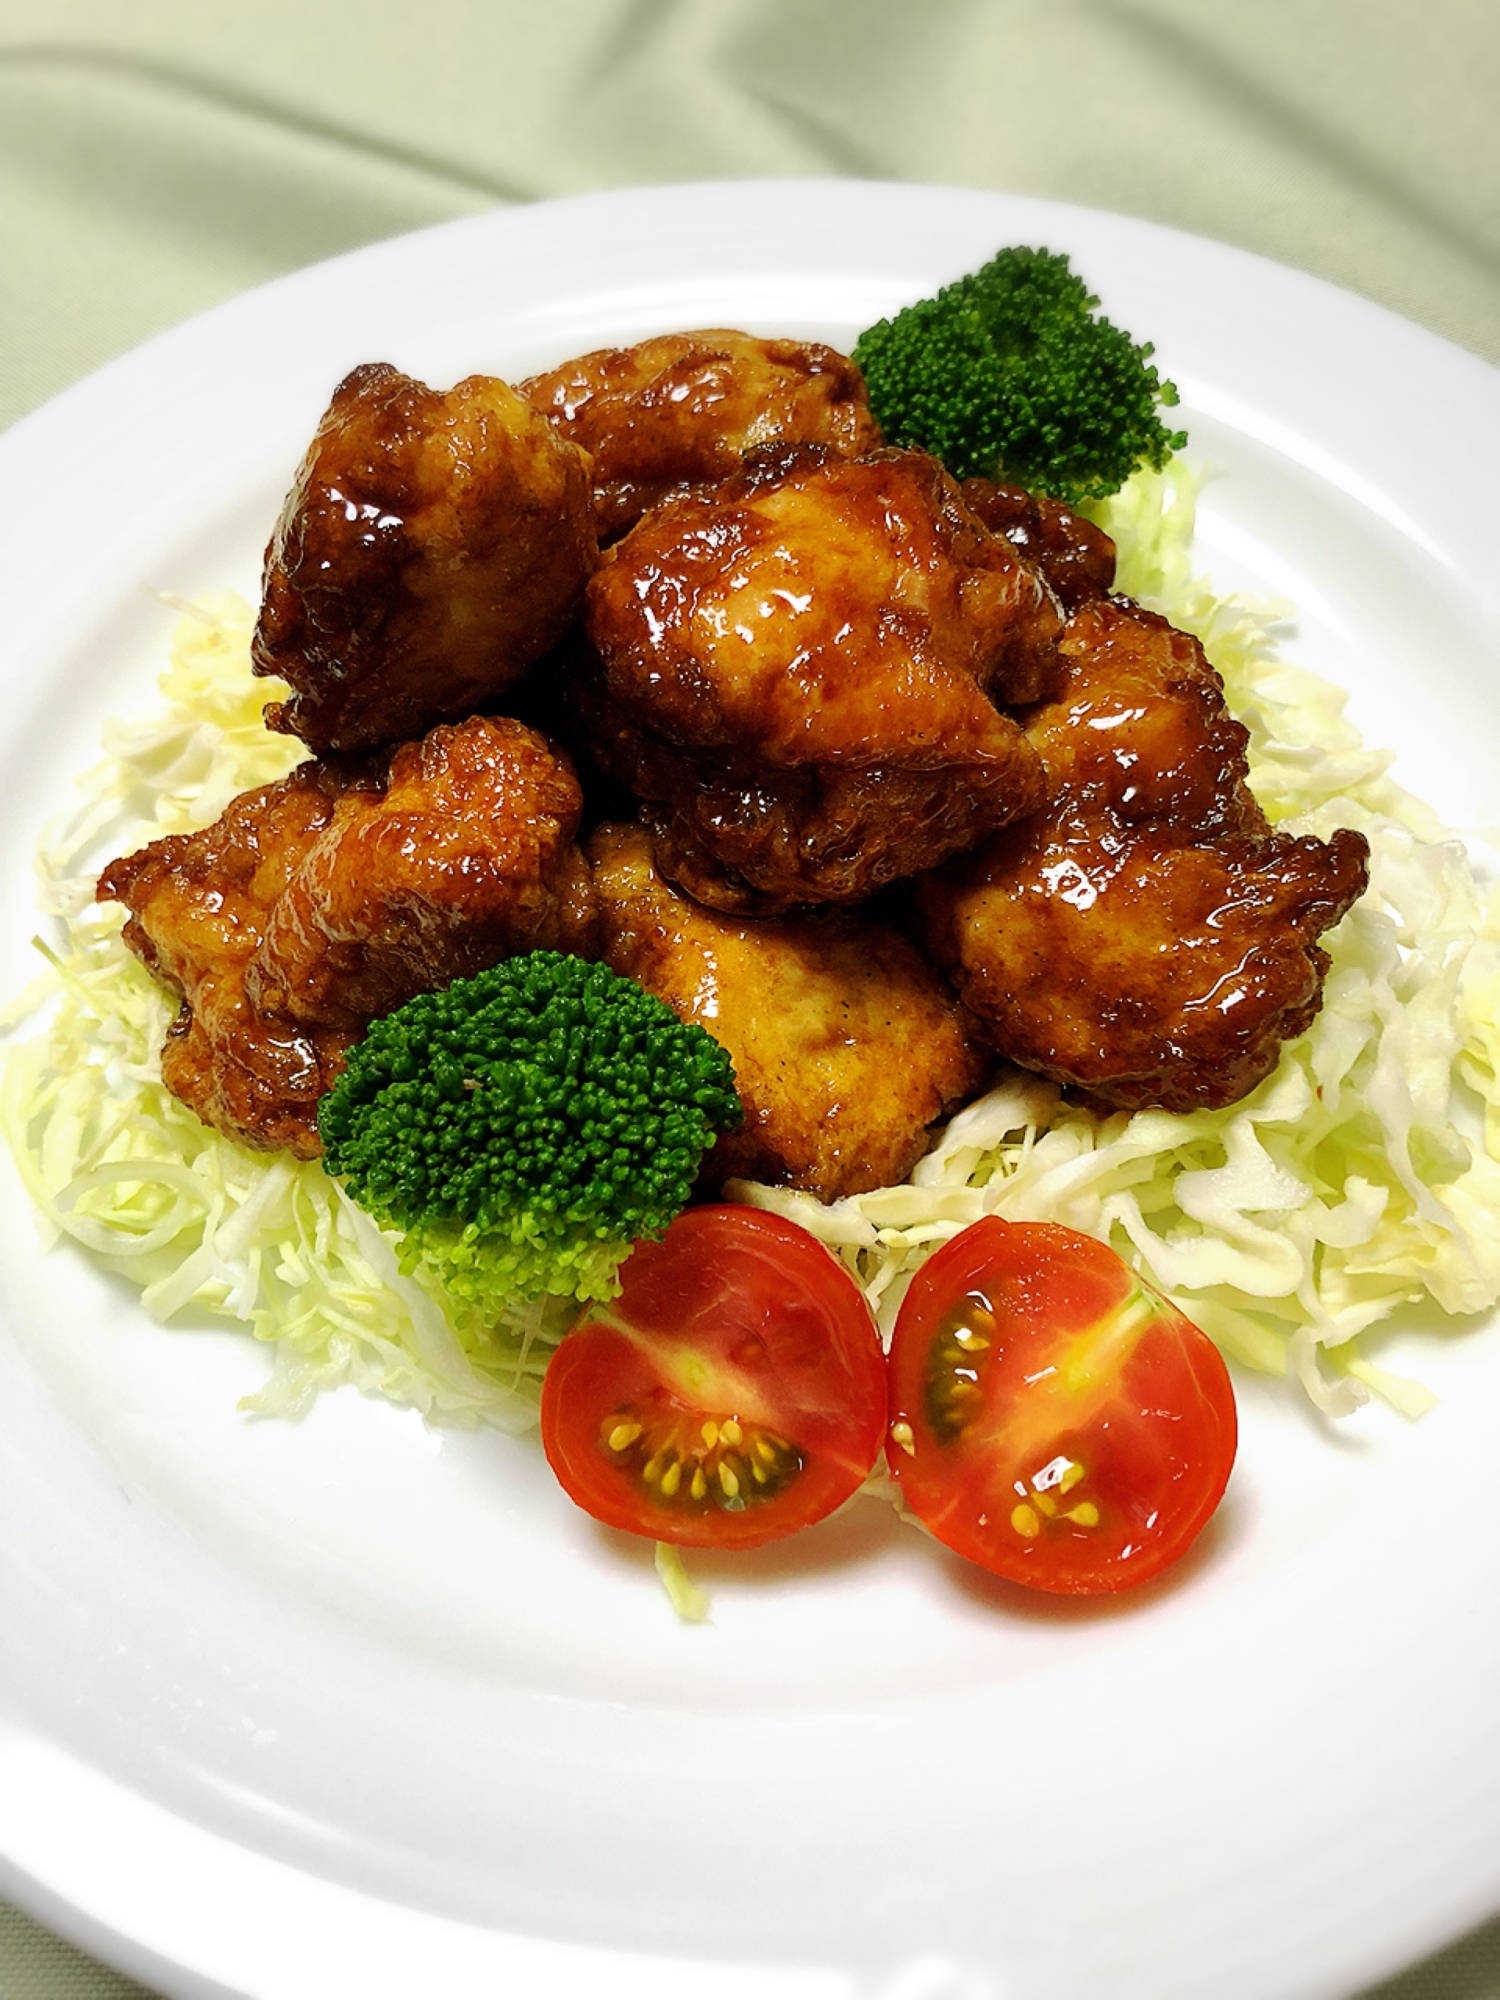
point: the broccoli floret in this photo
(523, 1128)
(1010, 372)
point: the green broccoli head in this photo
(1011, 373)
(523, 1128)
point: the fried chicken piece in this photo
(800, 675)
(432, 547)
(315, 904)
(1147, 937)
(199, 906)
(682, 410)
(464, 857)
(846, 1044)
(1076, 558)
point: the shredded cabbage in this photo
(1363, 1175)
(120, 1166)
(688, 1600)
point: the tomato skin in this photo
(739, 1324)
(1052, 1418)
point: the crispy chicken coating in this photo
(1076, 558)
(800, 675)
(199, 905)
(432, 547)
(463, 857)
(682, 410)
(846, 1044)
(315, 904)
(1147, 937)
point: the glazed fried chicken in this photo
(846, 1045)
(1076, 558)
(684, 409)
(1147, 937)
(463, 856)
(800, 676)
(317, 903)
(199, 905)
(432, 547)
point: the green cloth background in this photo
(159, 156)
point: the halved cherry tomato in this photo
(733, 1393)
(1051, 1417)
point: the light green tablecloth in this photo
(158, 157)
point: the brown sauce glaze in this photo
(803, 669)
(1146, 938)
(432, 546)
(313, 905)
(683, 410)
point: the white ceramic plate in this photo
(356, 1707)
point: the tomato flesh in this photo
(733, 1393)
(1052, 1418)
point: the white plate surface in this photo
(354, 1706)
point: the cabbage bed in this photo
(1362, 1176)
